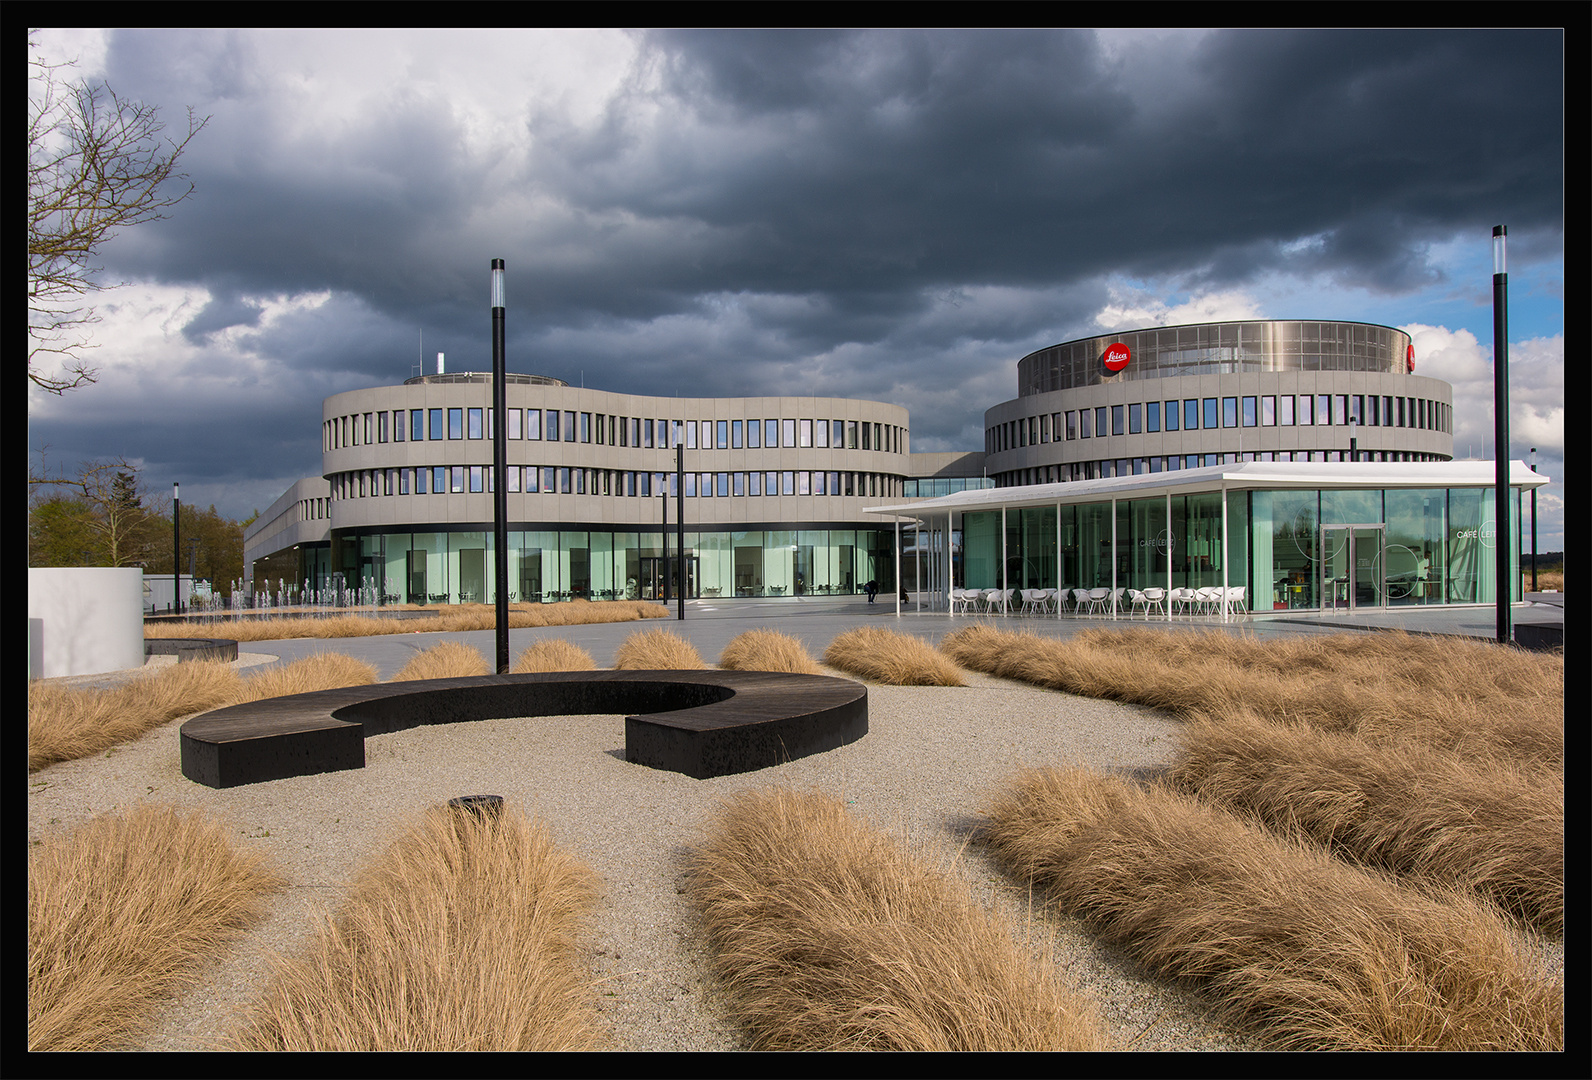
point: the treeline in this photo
(103, 516)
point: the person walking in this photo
(873, 589)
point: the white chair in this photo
(1033, 601)
(1097, 600)
(1117, 598)
(1233, 599)
(962, 599)
(1080, 601)
(1153, 598)
(1207, 599)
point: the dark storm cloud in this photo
(896, 215)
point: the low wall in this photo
(84, 620)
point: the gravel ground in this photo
(931, 758)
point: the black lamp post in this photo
(1533, 524)
(679, 514)
(176, 553)
(1501, 530)
(500, 487)
(1354, 444)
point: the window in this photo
(569, 425)
(1307, 410)
(513, 427)
(787, 482)
(475, 478)
(837, 434)
(1250, 416)
(1211, 417)
(851, 436)
(834, 482)
(533, 424)
(1191, 414)
(381, 427)
(417, 424)
(690, 435)
(821, 431)
(1268, 410)
(755, 483)
(475, 423)
(1135, 418)
(1117, 419)
(1323, 408)
(1340, 409)
(585, 427)
(770, 434)
(805, 439)
(787, 431)
(436, 423)
(737, 431)
(457, 479)
(403, 480)
(1100, 421)
(771, 483)
(739, 480)
(368, 439)
(1285, 410)
(1085, 424)
(724, 485)
(754, 434)
(455, 423)
(1152, 416)
(1072, 426)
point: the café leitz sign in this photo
(1486, 533)
(1116, 357)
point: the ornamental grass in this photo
(768, 650)
(830, 935)
(445, 660)
(892, 658)
(1309, 951)
(124, 913)
(657, 650)
(1473, 698)
(554, 654)
(449, 619)
(466, 934)
(1406, 808)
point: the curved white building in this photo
(775, 490)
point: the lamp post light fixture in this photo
(1503, 551)
(1354, 444)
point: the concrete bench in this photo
(700, 723)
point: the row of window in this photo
(533, 479)
(1193, 414)
(1095, 470)
(566, 425)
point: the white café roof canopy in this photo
(1268, 475)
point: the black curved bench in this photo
(186, 649)
(700, 723)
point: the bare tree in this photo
(96, 163)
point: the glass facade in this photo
(1288, 549)
(548, 565)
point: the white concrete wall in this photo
(84, 620)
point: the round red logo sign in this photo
(1409, 357)
(1116, 357)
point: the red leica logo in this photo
(1409, 357)
(1116, 357)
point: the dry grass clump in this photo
(1316, 953)
(1404, 808)
(830, 936)
(1471, 698)
(768, 650)
(123, 913)
(445, 660)
(452, 618)
(65, 724)
(320, 671)
(464, 935)
(554, 654)
(657, 650)
(892, 658)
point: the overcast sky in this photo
(890, 215)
